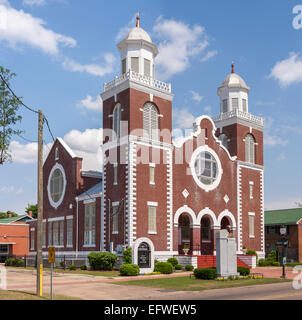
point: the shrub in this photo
(189, 267)
(128, 269)
(251, 252)
(163, 267)
(173, 261)
(178, 267)
(127, 256)
(272, 256)
(156, 261)
(14, 262)
(83, 267)
(72, 267)
(243, 271)
(205, 273)
(293, 264)
(102, 260)
(264, 263)
(275, 263)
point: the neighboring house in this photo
(14, 236)
(291, 219)
(158, 204)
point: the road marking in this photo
(279, 296)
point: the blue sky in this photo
(64, 50)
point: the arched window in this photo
(150, 121)
(224, 139)
(205, 229)
(249, 148)
(117, 120)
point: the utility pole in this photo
(40, 205)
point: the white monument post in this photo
(226, 257)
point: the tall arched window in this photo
(224, 139)
(249, 148)
(117, 120)
(150, 121)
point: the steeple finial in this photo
(233, 67)
(137, 20)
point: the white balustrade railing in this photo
(240, 114)
(131, 75)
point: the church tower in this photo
(242, 134)
(137, 108)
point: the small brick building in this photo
(154, 192)
(14, 236)
(291, 220)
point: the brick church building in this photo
(154, 192)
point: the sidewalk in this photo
(275, 272)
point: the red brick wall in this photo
(16, 233)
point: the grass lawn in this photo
(78, 271)
(19, 295)
(192, 284)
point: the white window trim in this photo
(52, 203)
(203, 186)
(152, 232)
(252, 214)
(89, 201)
(152, 204)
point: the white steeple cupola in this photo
(233, 93)
(138, 52)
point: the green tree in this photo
(4, 215)
(9, 106)
(33, 208)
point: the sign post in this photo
(51, 260)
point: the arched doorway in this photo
(206, 236)
(225, 222)
(184, 232)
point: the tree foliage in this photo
(33, 208)
(9, 106)
(4, 215)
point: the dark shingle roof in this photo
(285, 216)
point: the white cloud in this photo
(208, 109)
(270, 138)
(93, 69)
(288, 71)
(27, 153)
(196, 96)
(87, 144)
(10, 190)
(209, 55)
(285, 203)
(184, 119)
(281, 157)
(180, 43)
(34, 2)
(23, 29)
(90, 104)
(126, 29)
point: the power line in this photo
(27, 140)
(48, 126)
(12, 92)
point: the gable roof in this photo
(21, 218)
(285, 216)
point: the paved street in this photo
(99, 288)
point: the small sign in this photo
(52, 254)
(284, 260)
(144, 255)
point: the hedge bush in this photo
(72, 267)
(14, 262)
(163, 267)
(251, 252)
(83, 267)
(127, 256)
(102, 260)
(243, 271)
(264, 263)
(178, 267)
(189, 267)
(293, 264)
(129, 269)
(205, 273)
(275, 263)
(173, 261)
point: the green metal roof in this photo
(21, 218)
(286, 216)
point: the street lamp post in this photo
(284, 243)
